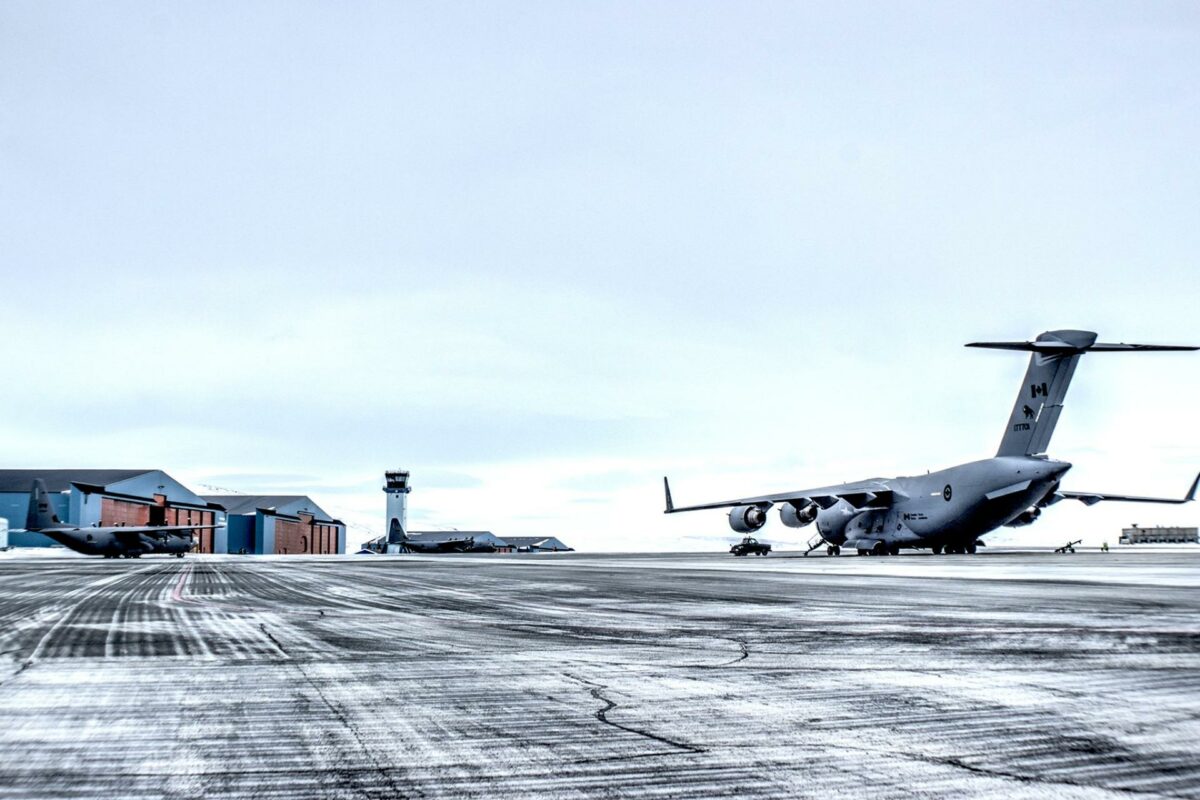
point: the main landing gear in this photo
(954, 549)
(882, 550)
(833, 550)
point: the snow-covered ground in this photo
(1006, 674)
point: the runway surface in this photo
(998, 675)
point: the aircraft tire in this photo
(894, 551)
(863, 552)
(971, 548)
(937, 549)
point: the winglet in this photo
(1191, 495)
(671, 504)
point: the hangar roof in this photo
(287, 504)
(548, 542)
(60, 480)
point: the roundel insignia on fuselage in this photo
(947, 493)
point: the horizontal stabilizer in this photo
(1066, 342)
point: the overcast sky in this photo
(542, 254)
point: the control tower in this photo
(397, 488)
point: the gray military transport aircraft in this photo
(118, 542)
(428, 543)
(947, 511)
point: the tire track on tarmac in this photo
(66, 606)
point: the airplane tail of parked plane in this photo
(41, 513)
(1051, 366)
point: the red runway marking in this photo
(177, 594)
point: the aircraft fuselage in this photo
(115, 543)
(948, 507)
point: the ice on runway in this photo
(1002, 675)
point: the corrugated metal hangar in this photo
(86, 497)
(279, 524)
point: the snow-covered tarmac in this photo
(1006, 674)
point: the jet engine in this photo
(747, 519)
(1026, 517)
(798, 517)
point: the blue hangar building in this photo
(278, 524)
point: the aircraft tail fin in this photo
(396, 534)
(1051, 367)
(41, 512)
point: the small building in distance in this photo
(279, 524)
(1158, 535)
(106, 497)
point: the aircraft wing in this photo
(121, 529)
(157, 528)
(864, 495)
(1091, 498)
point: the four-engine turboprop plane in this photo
(948, 511)
(119, 542)
(452, 544)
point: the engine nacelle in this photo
(176, 544)
(747, 519)
(832, 522)
(1026, 517)
(798, 517)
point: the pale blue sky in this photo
(540, 253)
